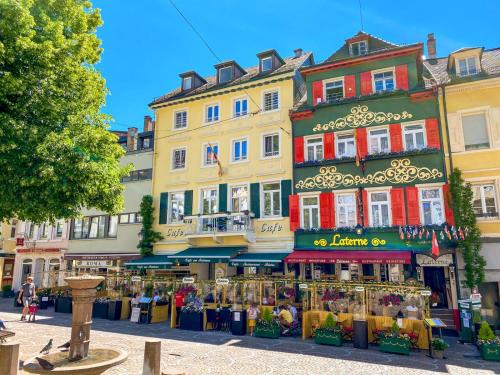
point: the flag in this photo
(461, 233)
(435, 245)
(214, 153)
(401, 234)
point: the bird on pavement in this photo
(2, 325)
(65, 345)
(47, 347)
(46, 365)
(21, 364)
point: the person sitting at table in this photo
(293, 311)
(285, 318)
(270, 300)
(156, 296)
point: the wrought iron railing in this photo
(219, 223)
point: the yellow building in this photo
(469, 94)
(8, 233)
(223, 167)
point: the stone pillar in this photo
(152, 355)
(9, 358)
(82, 320)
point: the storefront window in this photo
(251, 292)
(269, 293)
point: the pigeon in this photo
(47, 347)
(46, 365)
(2, 325)
(65, 345)
(21, 364)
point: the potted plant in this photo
(100, 308)
(267, 326)
(191, 317)
(44, 298)
(63, 302)
(438, 346)
(488, 343)
(329, 333)
(7, 291)
(394, 341)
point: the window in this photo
(139, 175)
(346, 210)
(212, 113)
(208, 201)
(97, 225)
(475, 130)
(240, 107)
(225, 74)
(176, 208)
(210, 153)
(43, 231)
(358, 48)
(334, 90)
(467, 67)
(271, 101)
(179, 159)
(314, 148)
(130, 218)
(310, 212)
(13, 227)
(94, 227)
(484, 201)
(59, 229)
(271, 145)
(31, 230)
(187, 83)
(378, 141)
(240, 150)
(272, 199)
(379, 209)
(431, 203)
(414, 137)
(113, 226)
(180, 120)
(146, 143)
(239, 198)
(345, 146)
(266, 64)
(383, 81)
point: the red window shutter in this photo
(366, 217)
(396, 137)
(366, 83)
(329, 145)
(293, 204)
(317, 92)
(431, 128)
(398, 206)
(358, 217)
(349, 86)
(327, 210)
(402, 77)
(299, 149)
(448, 210)
(361, 142)
(412, 205)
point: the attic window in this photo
(358, 48)
(266, 64)
(467, 67)
(187, 83)
(225, 74)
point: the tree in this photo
(148, 235)
(56, 153)
(465, 217)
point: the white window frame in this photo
(306, 153)
(369, 137)
(482, 184)
(305, 196)
(241, 98)
(476, 111)
(331, 80)
(230, 188)
(337, 206)
(204, 148)
(440, 199)
(205, 113)
(169, 212)
(219, 73)
(200, 200)
(389, 211)
(172, 159)
(233, 144)
(262, 199)
(404, 132)
(270, 91)
(262, 64)
(359, 43)
(174, 128)
(336, 140)
(190, 79)
(263, 145)
(385, 70)
(466, 58)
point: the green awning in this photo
(154, 262)
(271, 260)
(206, 254)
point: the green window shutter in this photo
(163, 208)
(188, 203)
(222, 197)
(255, 199)
(286, 190)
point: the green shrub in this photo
(329, 322)
(148, 290)
(485, 332)
(395, 328)
(439, 344)
(267, 315)
(6, 288)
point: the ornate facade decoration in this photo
(400, 172)
(361, 116)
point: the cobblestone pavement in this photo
(221, 353)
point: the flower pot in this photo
(100, 310)
(325, 337)
(490, 352)
(438, 354)
(63, 305)
(394, 345)
(270, 332)
(114, 310)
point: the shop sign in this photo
(135, 279)
(220, 272)
(443, 261)
(222, 281)
(302, 286)
(425, 293)
(254, 264)
(359, 289)
(94, 263)
(188, 280)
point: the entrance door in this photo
(434, 279)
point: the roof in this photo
(252, 73)
(438, 68)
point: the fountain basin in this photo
(98, 361)
(83, 282)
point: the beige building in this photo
(8, 231)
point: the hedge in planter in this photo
(7, 291)
(394, 342)
(267, 326)
(329, 333)
(488, 343)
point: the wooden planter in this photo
(490, 352)
(273, 332)
(395, 345)
(159, 314)
(326, 337)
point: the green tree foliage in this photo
(56, 153)
(461, 201)
(485, 332)
(148, 235)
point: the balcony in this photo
(220, 225)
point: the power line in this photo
(361, 15)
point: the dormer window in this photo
(467, 67)
(187, 83)
(266, 64)
(358, 48)
(225, 74)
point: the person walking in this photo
(26, 296)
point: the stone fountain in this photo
(80, 359)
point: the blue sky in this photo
(147, 44)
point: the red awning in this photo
(361, 257)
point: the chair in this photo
(225, 319)
(211, 319)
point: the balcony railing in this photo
(219, 224)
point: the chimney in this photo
(297, 52)
(431, 46)
(132, 139)
(148, 124)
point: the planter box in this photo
(327, 337)
(192, 321)
(114, 310)
(44, 303)
(8, 294)
(395, 345)
(63, 305)
(159, 314)
(100, 310)
(490, 352)
(268, 332)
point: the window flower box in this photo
(490, 352)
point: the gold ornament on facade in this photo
(400, 172)
(362, 116)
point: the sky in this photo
(147, 44)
